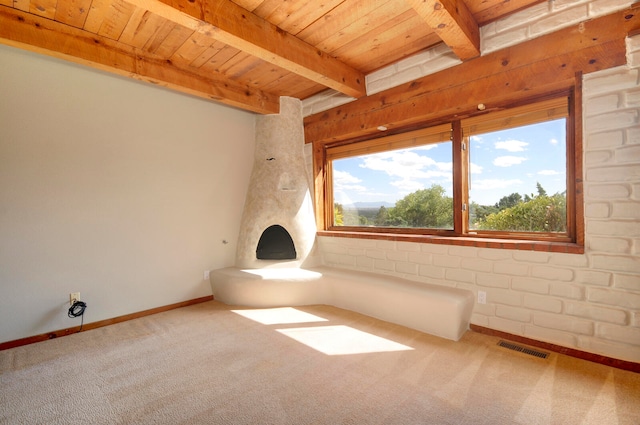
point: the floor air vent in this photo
(525, 350)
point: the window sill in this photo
(522, 245)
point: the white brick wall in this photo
(326, 100)
(590, 302)
(543, 18)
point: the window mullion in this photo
(460, 180)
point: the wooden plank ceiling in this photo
(248, 53)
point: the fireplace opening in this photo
(275, 244)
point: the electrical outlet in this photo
(482, 297)
(73, 297)
(206, 275)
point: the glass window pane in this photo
(518, 179)
(404, 188)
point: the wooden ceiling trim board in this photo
(72, 12)
(191, 49)
(158, 38)
(587, 47)
(287, 80)
(232, 94)
(486, 12)
(298, 20)
(234, 62)
(394, 32)
(366, 28)
(23, 5)
(236, 26)
(307, 91)
(250, 5)
(414, 44)
(142, 26)
(44, 8)
(453, 22)
(55, 39)
(240, 66)
(208, 54)
(174, 40)
(262, 74)
(293, 85)
(97, 13)
(226, 53)
(270, 10)
(116, 20)
(340, 20)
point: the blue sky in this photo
(502, 163)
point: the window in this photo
(396, 182)
(508, 174)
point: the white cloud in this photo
(549, 172)
(511, 145)
(409, 168)
(343, 180)
(406, 164)
(425, 147)
(476, 169)
(491, 184)
(553, 141)
(399, 163)
(508, 161)
(407, 186)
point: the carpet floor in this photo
(215, 364)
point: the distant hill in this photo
(376, 205)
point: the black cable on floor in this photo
(77, 309)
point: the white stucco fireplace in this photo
(279, 195)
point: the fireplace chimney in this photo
(279, 191)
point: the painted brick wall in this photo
(590, 302)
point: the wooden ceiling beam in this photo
(235, 26)
(454, 24)
(31, 32)
(535, 67)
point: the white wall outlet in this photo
(73, 297)
(482, 297)
(206, 275)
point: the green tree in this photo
(428, 208)
(381, 217)
(480, 212)
(338, 215)
(539, 214)
(509, 201)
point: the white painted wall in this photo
(114, 188)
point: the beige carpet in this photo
(207, 364)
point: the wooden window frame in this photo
(573, 242)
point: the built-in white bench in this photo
(434, 309)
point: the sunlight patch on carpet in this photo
(341, 340)
(279, 316)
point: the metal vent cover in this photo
(521, 349)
